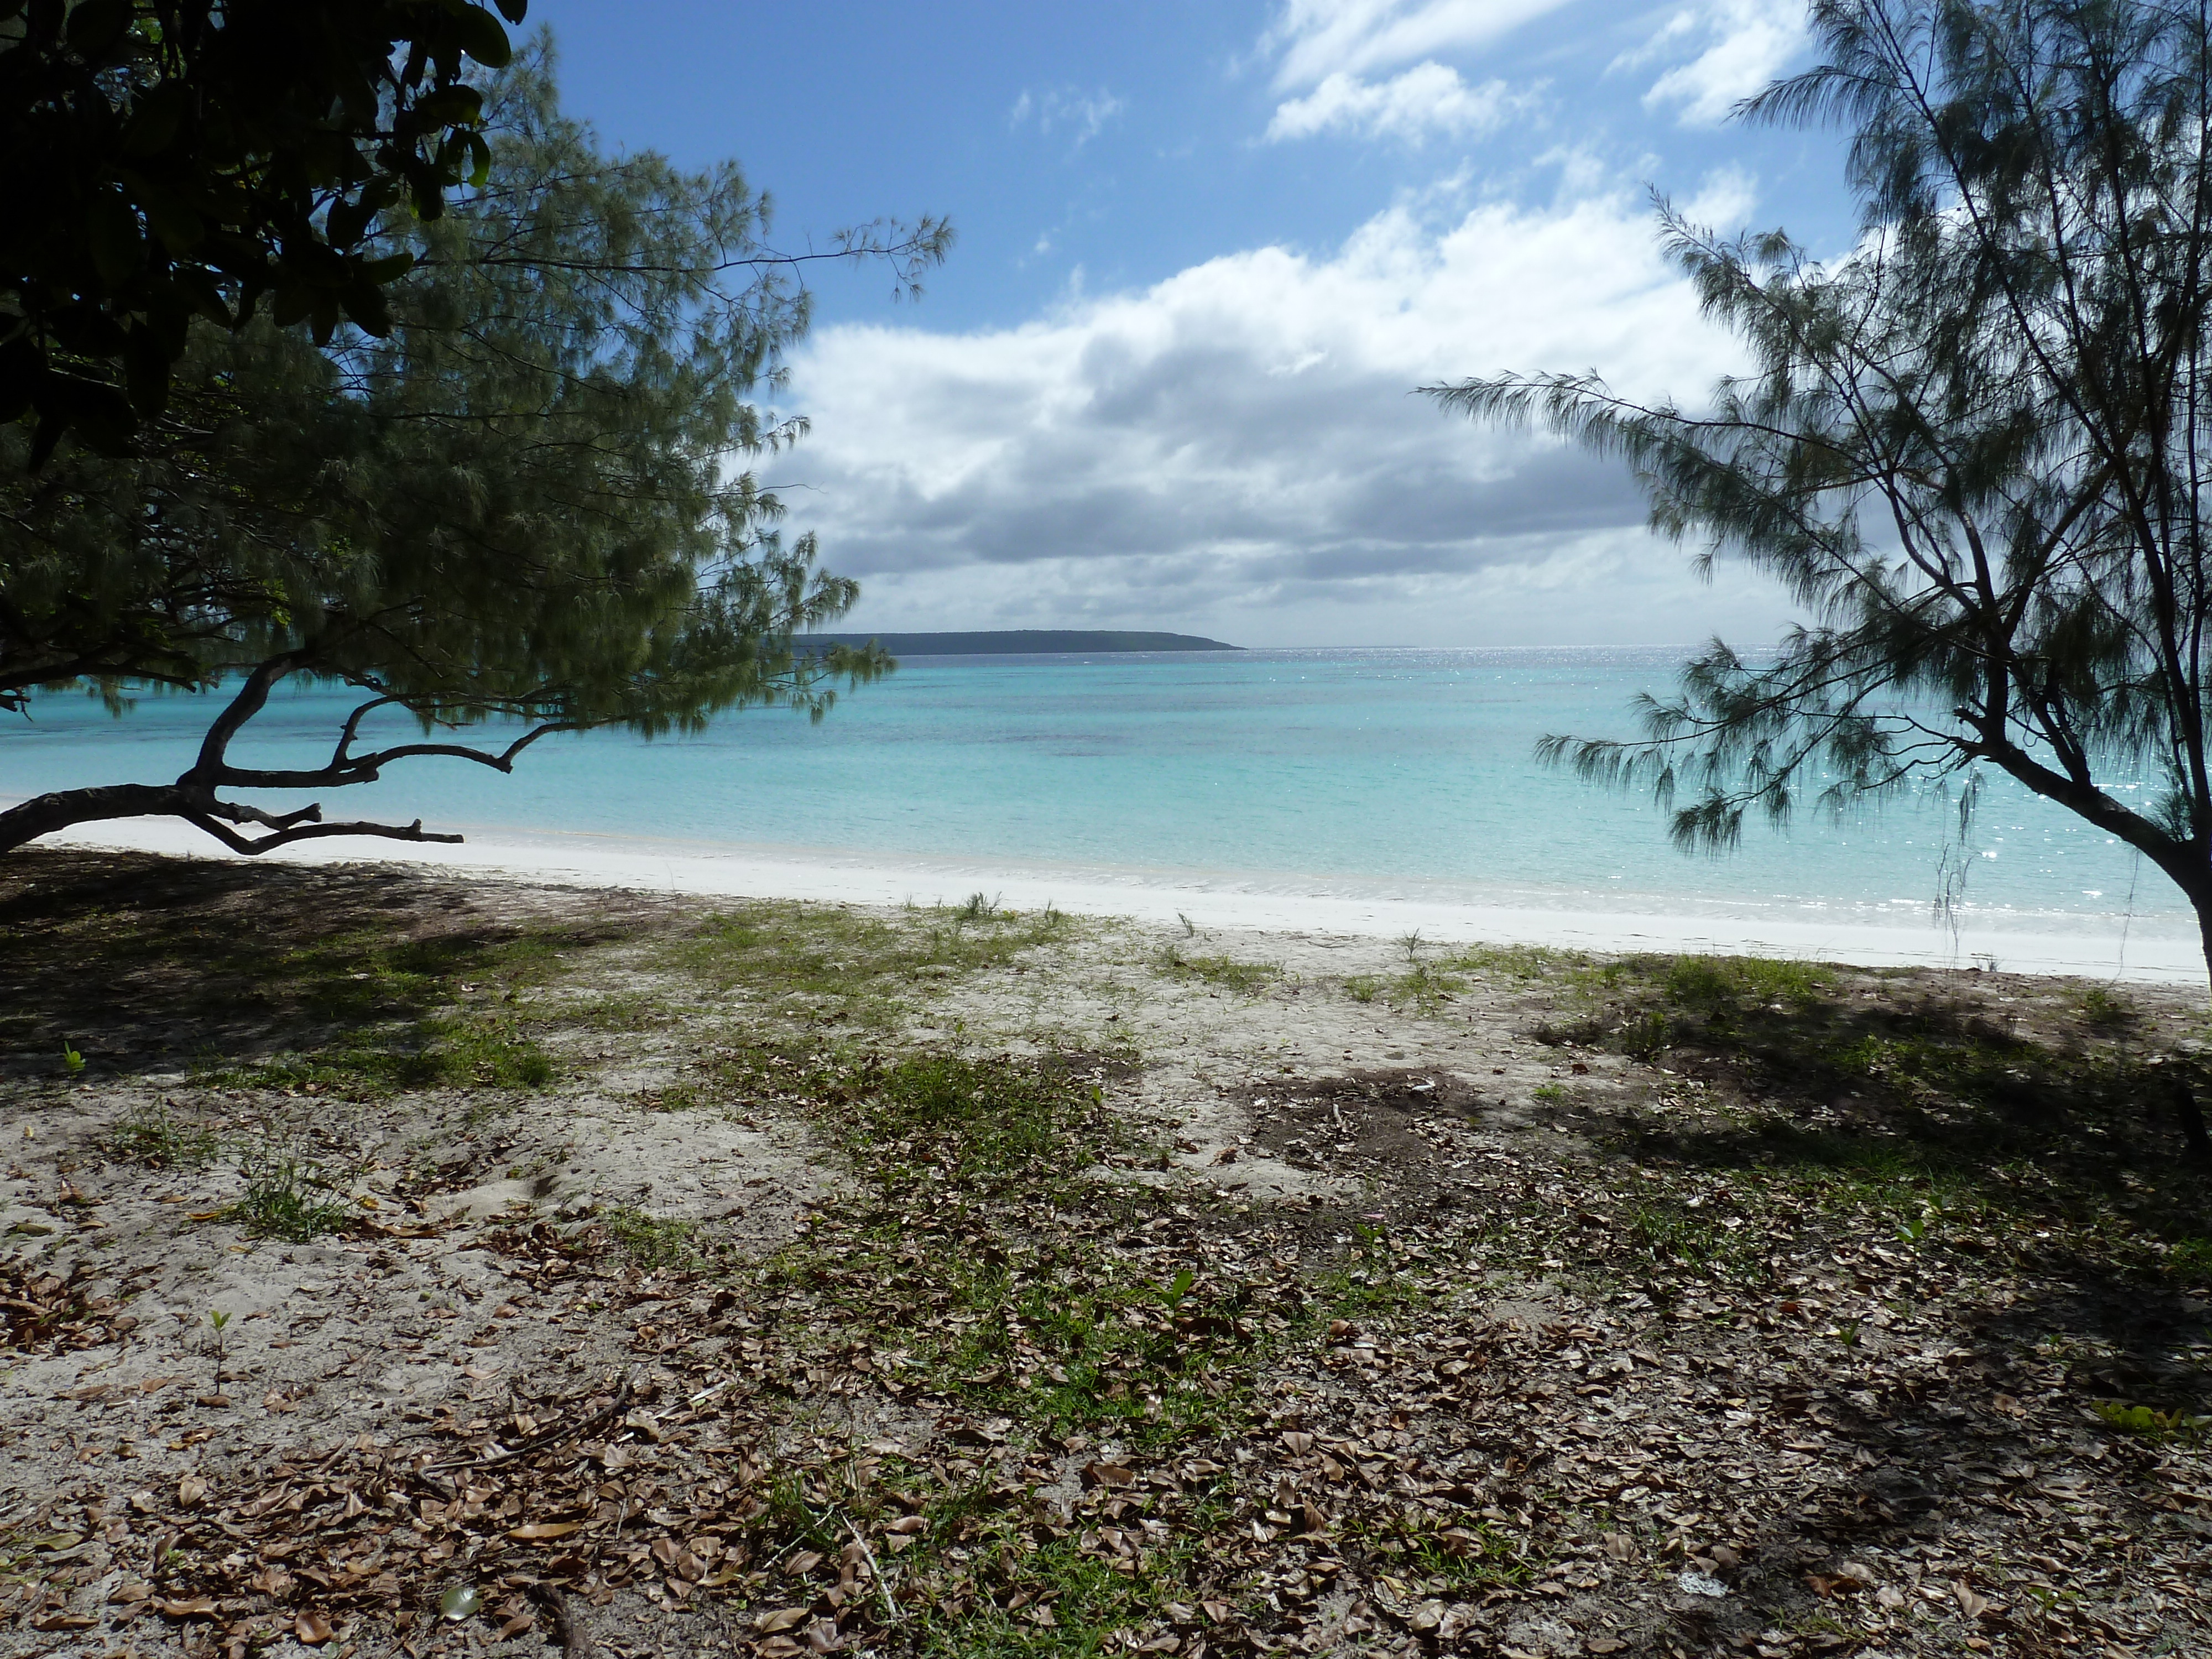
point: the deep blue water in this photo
(1309, 765)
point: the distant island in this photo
(1016, 641)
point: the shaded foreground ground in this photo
(395, 1265)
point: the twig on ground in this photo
(876, 1572)
(552, 1437)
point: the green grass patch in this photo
(1522, 962)
(1072, 1606)
(653, 1242)
(158, 1138)
(290, 1198)
(1245, 978)
(2104, 1009)
(813, 963)
(1897, 1103)
(468, 1052)
(1425, 987)
(977, 1240)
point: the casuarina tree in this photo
(1976, 451)
(524, 504)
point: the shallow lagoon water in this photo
(1306, 770)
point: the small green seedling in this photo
(218, 1322)
(1174, 1294)
(72, 1062)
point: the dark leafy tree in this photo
(1975, 450)
(522, 503)
(168, 159)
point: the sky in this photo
(1205, 253)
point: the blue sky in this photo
(1205, 253)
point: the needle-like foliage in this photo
(528, 501)
(1973, 452)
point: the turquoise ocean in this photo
(1298, 768)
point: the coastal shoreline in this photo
(2154, 949)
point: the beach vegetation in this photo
(1245, 978)
(468, 1051)
(2107, 1009)
(1520, 961)
(522, 505)
(1428, 986)
(290, 1197)
(339, 998)
(1971, 449)
(829, 963)
(651, 1241)
(160, 1138)
(218, 1321)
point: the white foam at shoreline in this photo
(2150, 952)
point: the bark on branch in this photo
(64, 809)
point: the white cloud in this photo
(1427, 99)
(1746, 44)
(1066, 108)
(1235, 449)
(1318, 38)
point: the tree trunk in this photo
(2186, 1107)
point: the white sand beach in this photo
(2157, 949)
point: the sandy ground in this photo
(167, 1348)
(2158, 947)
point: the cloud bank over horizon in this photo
(1238, 450)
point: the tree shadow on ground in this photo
(2016, 1159)
(2040, 1114)
(146, 963)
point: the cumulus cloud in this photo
(1428, 99)
(1745, 45)
(1239, 443)
(1067, 110)
(1317, 38)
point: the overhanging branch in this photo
(311, 831)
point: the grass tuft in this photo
(157, 1138)
(290, 1198)
(1246, 978)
